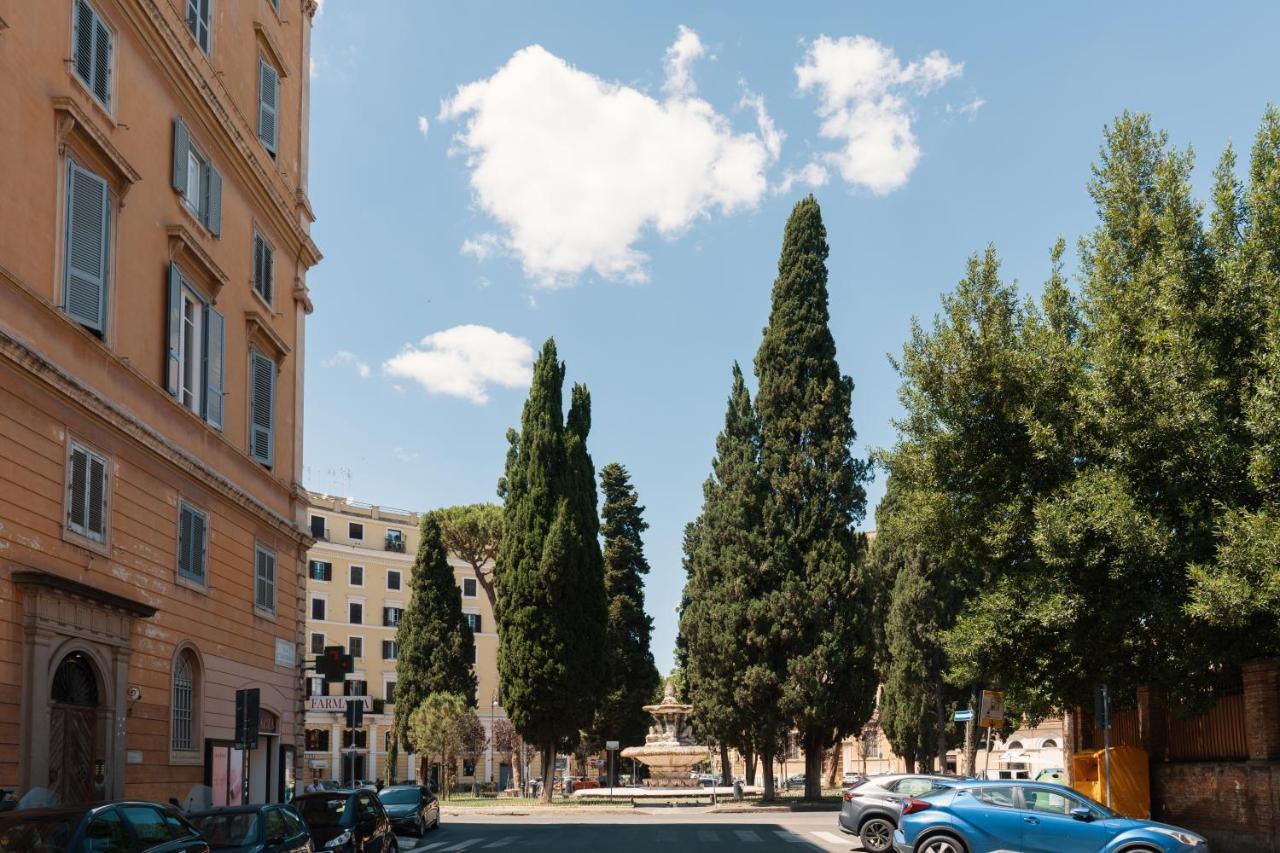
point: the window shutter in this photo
(84, 41)
(266, 579)
(212, 208)
(198, 546)
(175, 329)
(262, 395)
(185, 517)
(101, 61)
(97, 509)
(263, 266)
(77, 491)
(88, 215)
(268, 94)
(214, 348)
(181, 144)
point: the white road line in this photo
(832, 838)
(789, 836)
(746, 835)
(707, 836)
(501, 842)
(462, 845)
(432, 846)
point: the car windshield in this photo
(43, 834)
(322, 811)
(399, 796)
(236, 829)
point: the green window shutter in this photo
(181, 144)
(85, 276)
(101, 61)
(262, 399)
(175, 330)
(91, 46)
(83, 41)
(212, 208)
(263, 266)
(214, 367)
(268, 96)
(265, 580)
(77, 489)
(97, 509)
(192, 549)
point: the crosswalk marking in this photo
(432, 846)
(501, 842)
(708, 837)
(789, 836)
(462, 845)
(831, 838)
(746, 835)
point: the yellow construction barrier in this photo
(1130, 779)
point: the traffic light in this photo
(355, 713)
(335, 664)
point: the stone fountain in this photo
(669, 749)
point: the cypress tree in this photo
(816, 497)
(550, 593)
(631, 678)
(435, 647)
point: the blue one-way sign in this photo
(963, 716)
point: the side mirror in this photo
(1083, 814)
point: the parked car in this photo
(795, 780)
(269, 828)
(1033, 817)
(870, 808)
(133, 826)
(412, 808)
(347, 821)
(848, 780)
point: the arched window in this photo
(184, 701)
(1014, 744)
(1049, 743)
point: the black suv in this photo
(346, 821)
(267, 828)
(121, 827)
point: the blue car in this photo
(1010, 816)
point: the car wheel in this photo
(877, 835)
(941, 844)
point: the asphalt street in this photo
(642, 832)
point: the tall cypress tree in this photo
(816, 497)
(631, 678)
(435, 647)
(550, 593)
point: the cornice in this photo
(272, 49)
(71, 118)
(254, 321)
(182, 240)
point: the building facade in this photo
(154, 243)
(358, 581)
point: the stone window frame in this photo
(71, 442)
(194, 755)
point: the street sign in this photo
(991, 709)
(963, 716)
(338, 704)
(247, 718)
(611, 745)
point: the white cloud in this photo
(769, 132)
(343, 357)
(576, 169)
(482, 246)
(811, 175)
(423, 126)
(970, 109)
(464, 361)
(864, 91)
(679, 60)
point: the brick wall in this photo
(1236, 805)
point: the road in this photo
(643, 832)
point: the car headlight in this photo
(1179, 835)
(338, 840)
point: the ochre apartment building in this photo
(358, 582)
(153, 252)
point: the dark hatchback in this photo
(268, 828)
(346, 821)
(121, 827)
(411, 808)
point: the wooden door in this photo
(71, 751)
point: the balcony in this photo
(396, 545)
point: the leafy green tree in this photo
(549, 584)
(820, 625)
(631, 676)
(441, 727)
(474, 532)
(435, 646)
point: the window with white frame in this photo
(264, 595)
(198, 18)
(390, 650)
(196, 180)
(355, 575)
(184, 697)
(473, 621)
(195, 361)
(318, 606)
(355, 612)
(87, 493)
(469, 587)
(355, 530)
(355, 646)
(393, 579)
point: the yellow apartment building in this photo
(357, 586)
(154, 245)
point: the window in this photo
(321, 571)
(196, 180)
(355, 531)
(84, 284)
(871, 744)
(268, 99)
(1001, 796)
(92, 42)
(355, 646)
(273, 826)
(355, 575)
(393, 579)
(184, 691)
(360, 741)
(195, 363)
(107, 834)
(468, 767)
(1049, 802)
(1014, 744)
(354, 687)
(394, 541)
(192, 548)
(391, 616)
(390, 694)
(317, 740)
(914, 786)
(317, 609)
(262, 404)
(317, 686)
(87, 493)
(198, 22)
(317, 643)
(355, 613)
(148, 826)
(264, 594)
(1049, 743)
(469, 587)
(263, 267)
(317, 527)
(390, 650)
(473, 621)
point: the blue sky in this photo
(618, 176)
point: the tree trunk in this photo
(941, 727)
(749, 765)
(548, 769)
(910, 763)
(813, 754)
(766, 760)
(833, 765)
(517, 772)
(971, 736)
(726, 770)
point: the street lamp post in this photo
(493, 711)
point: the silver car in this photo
(870, 808)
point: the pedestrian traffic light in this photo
(335, 664)
(355, 713)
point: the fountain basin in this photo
(668, 763)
